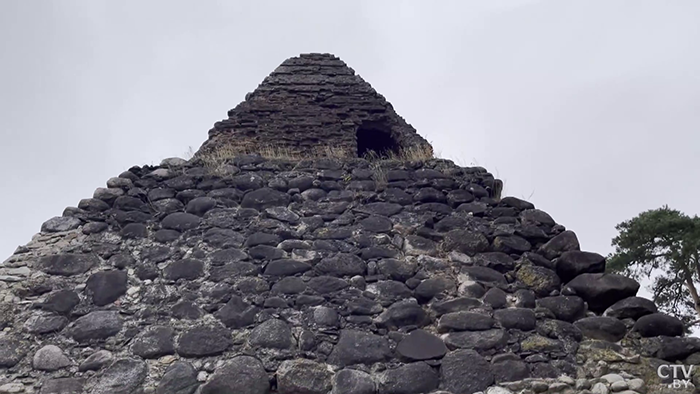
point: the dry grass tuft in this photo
(218, 158)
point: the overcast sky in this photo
(589, 109)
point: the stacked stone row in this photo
(310, 277)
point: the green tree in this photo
(664, 242)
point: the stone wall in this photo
(314, 100)
(312, 277)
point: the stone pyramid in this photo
(318, 276)
(315, 100)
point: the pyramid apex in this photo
(310, 101)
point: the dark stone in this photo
(465, 372)
(674, 349)
(200, 205)
(455, 305)
(359, 347)
(465, 321)
(413, 378)
(573, 263)
(483, 274)
(342, 264)
(396, 269)
(518, 318)
(106, 287)
(479, 340)
(563, 242)
(602, 328)
(266, 252)
(68, 264)
(498, 261)
(240, 375)
(237, 313)
(401, 314)
(380, 208)
(272, 333)
(601, 291)
(221, 257)
(289, 285)
(541, 280)
(45, 323)
(179, 378)
(232, 271)
(147, 271)
(265, 198)
(496, 297)
(566, 308)
(421, 345)
(223, 238)
(511, 244)
(432, 287)
(525, 298)
(125, 376)
(204, 341)
(12, 351)
(256, 239)
(96, 325)
(517, 203)
(186, 310)
(62, 302)
(376, 224)
(188, 269)
(134, 231)
(166, 236)
(327, 284)
(659, 324)
(631, 308)
(509, 369)
(465, 241)
(156, 341)
(180, 221)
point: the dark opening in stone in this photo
(375, 139)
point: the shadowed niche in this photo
(375, 139)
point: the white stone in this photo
(498, 390)
(612, 378)
(599, 388)
(11, 388)
(173, 162)
(618, 386)
(202, 376)
(50, 358)
(567, 379)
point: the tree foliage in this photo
(666, 243)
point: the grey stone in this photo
(631, 308)
(50, 358)
(123, 377)
(303, 376)
(352, 381)
(60, 223)
(465, 321)
(96, 361)
(154, 342)
(68, 264)
(180, 221)
(96, 325)
(12, 351)
(240, 375)
(479, 340)
(359, 347)
(107, 286)
(413, 378)
(179, 378)
(203, 341)
(602, 328)
(62, 386)
(519, 318)
(465, 372)
(421, 345)
(272, 333)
